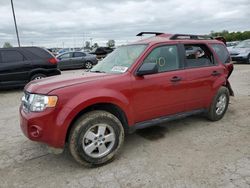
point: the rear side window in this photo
(11, 56)
(166, 58)
(198, 55)
(221, 52)
(79, 54)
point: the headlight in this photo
(38, 103)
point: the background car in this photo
(102, 52)
(241, 52)
(231, 44)
(76, 60)
(20, 65)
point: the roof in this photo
(165, 37)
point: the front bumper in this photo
(45, 127)
(241, 58)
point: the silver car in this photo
(76, 60)
(241, 52)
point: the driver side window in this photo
(165, 57)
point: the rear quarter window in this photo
(221, 52)
(39, 52)
(10, 56)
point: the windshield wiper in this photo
(97, 71)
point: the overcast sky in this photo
(54, 23)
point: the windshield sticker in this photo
(119, 69)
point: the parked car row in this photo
(18, 66)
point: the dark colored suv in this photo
(138, 85)
(20, 65)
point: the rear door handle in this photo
(215, 73)
(175, 79)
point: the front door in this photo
(65, 61)
(162, 93)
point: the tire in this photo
(88, 65)
(38, 76)
(219, 105)
(248, 59)
(85, 147)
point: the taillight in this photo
(53, 60)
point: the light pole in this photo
(13, 11)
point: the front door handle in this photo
(215, 73)
(175, 79)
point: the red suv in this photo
(154, 80)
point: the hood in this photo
(46, 85)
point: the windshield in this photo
(244, 44)
(120, 59)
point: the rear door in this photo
(14, 67)
(162, 93)
(78, 59)
(202, 73)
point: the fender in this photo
(102, 96)
(221, 81)
(73, 107)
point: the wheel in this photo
(38, 76)
(219, 105)
(88, 65)
(95, 138)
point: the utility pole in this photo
(83, 40)
(13, 11)
(91, 42)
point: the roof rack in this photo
(187, 36)
(150, 33)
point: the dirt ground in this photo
(191, 152)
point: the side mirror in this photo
(147, 68)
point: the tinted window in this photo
(79, 54)
(166, 58)
(198, 55)
(11, 56)
(39, 52)
(221, 52)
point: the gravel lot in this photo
(192, 152)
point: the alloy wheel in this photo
(98, 140)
